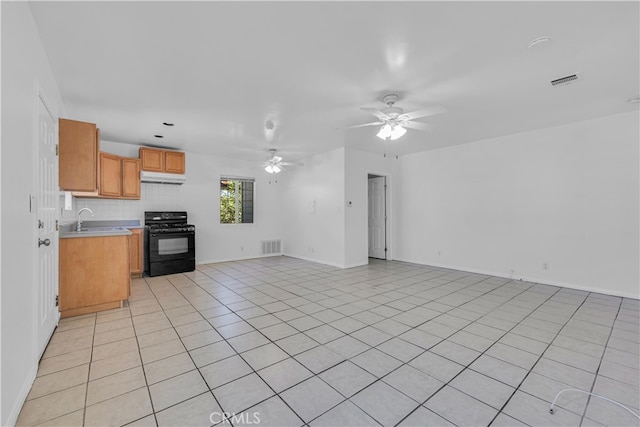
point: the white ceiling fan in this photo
(274, 164)
(395, 121)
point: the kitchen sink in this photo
(101, 229)
(95, 231)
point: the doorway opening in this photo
(377, 216)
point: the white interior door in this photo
(377, 217)
(47, 216)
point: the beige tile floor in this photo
(288, 343)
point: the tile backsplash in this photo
(153, 197)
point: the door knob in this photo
(45, 242)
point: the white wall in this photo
(24, 64)
(199, 196)
(359, 165)
(313, 209)
(567, 196)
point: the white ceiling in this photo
(220, 70)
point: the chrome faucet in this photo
(79, 224)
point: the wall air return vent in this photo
(565, 80)
(271, 247)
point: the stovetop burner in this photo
(171, 228)
(167, 222)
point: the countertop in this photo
(99, 229)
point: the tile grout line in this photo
(476, 358)
(185, 348)
(516, 389)
(595, 377)
(144, 372)
(237, 353)
(86, 391)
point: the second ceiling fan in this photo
(274, 164)
(394, 121)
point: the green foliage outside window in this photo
(236, 201)
(230, 199)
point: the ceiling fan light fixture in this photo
(269, 169)
(385, 131)
(276, 169)
(397, 132)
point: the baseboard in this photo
(22, 397)
(357, 264)
(583, 288)
(316, 260)
(527, 279)
(214, 261)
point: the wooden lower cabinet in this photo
(94, 274)
(135, 247)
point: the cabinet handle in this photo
(45, 242)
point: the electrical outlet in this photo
(545, 265)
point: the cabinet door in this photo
(135, 248)
(93, 271)
(152, 160)
(78, 155)
(131, 178)
(110, 175)
(174, 162)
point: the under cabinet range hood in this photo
(162, 178)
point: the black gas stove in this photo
(169, 243)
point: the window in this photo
(236, 200)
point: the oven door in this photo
(171, 246)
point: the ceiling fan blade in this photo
(431, 111)
(276, 159)
(374, 111)
(417, 126)
(366, 124)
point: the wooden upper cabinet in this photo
(110, 175)
(78, 155)
(119, 176)
(174, 162)
(152, 159)
(156, 160)
(130, 178)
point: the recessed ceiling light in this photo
(538, 42)
(158, 136)
(167, 124)
(635, 100)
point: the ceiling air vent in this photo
(564, 80)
